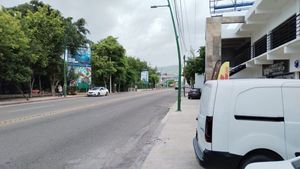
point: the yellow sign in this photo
(224, 71)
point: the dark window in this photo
(284, 33)
(260, 46)
(236, 50)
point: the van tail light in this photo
(208, 129)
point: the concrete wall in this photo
(248, 73)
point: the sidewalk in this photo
(175, 148)
(36, 99)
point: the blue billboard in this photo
(81, 58)
(80, 62)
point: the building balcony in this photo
(258, 15)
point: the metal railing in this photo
(285, 32)
(260, 46)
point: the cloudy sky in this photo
(145, 33)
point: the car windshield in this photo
(195, 90)
(96, 88)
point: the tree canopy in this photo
(14, 61)
(33, 39)
(109, 59)
(195, 65)
(36, 35)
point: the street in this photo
(116, 131)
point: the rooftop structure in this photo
(218, 7)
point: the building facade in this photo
(267, 44)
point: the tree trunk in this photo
(40, 84)
(20, 90)
(105, 85)
(31, 83)
(52, 88)
(53, 83)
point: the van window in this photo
(261, 102)
(206, 99)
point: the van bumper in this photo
(214, 159)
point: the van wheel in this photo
(257, 158)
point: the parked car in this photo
(246, 121)
(98, 91)
(288, 164)
(194, 94)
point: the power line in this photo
(180, 29)
(195, 32)
(187, 23)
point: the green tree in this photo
(101, 69)
(110, 52)
(135, 66)
(46, 31)
(195, 65)
(49, 33)
(153, 77)
(14, 59)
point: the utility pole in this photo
(65, 73)
(110, 78)
(184, 76)
(178, 52)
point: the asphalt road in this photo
(114, 132)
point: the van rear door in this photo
(206, 112)
(291, 98)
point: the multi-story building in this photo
(267, 44)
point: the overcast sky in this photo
(144, 32)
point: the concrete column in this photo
(297, 75)
(298, 25)
(213, 44)
(213, 41)
(252, 50)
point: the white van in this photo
(246, 121)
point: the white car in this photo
(288, 164)
(98, 91)
(248, 120)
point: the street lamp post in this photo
(184, 76)
(65, 73)
(178, 51)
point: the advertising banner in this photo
(145, 76)
(279, 67)
(82, 58)
(81, 64)
(224, 71)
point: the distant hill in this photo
(172, 70)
